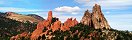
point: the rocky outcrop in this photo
(69, 23)
(56, 25)
(98, 18)
(41, 25)
(37, 31)
(95, 19)
(87, 19)
(52, 23)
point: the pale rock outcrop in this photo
(87, 19)
(98, 19)
(95, 19)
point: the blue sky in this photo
(117, 12)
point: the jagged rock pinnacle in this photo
(87, 20)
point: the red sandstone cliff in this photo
(52, 23)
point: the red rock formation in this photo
(36, 34)
(41, 26)
(56, 25)
(52, 23)
(17, 37)
(39, 30)
(64, 28)
(75, 22)
(69, 23)
(49, 16)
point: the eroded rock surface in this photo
(95, 19)
(87, 18)
(41, 25)
(99, 21)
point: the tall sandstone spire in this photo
(49, 16)
(95, 19)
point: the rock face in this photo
(95, 19)
(56, 25)
(98, 18)
(41, 25)
(37, 31)
(87, 19)
(69, 23)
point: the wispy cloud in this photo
(67, 9)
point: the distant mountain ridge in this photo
(36, 16)
(22, 18)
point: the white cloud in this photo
(107, 4)
(67, 9)
(13, 9)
